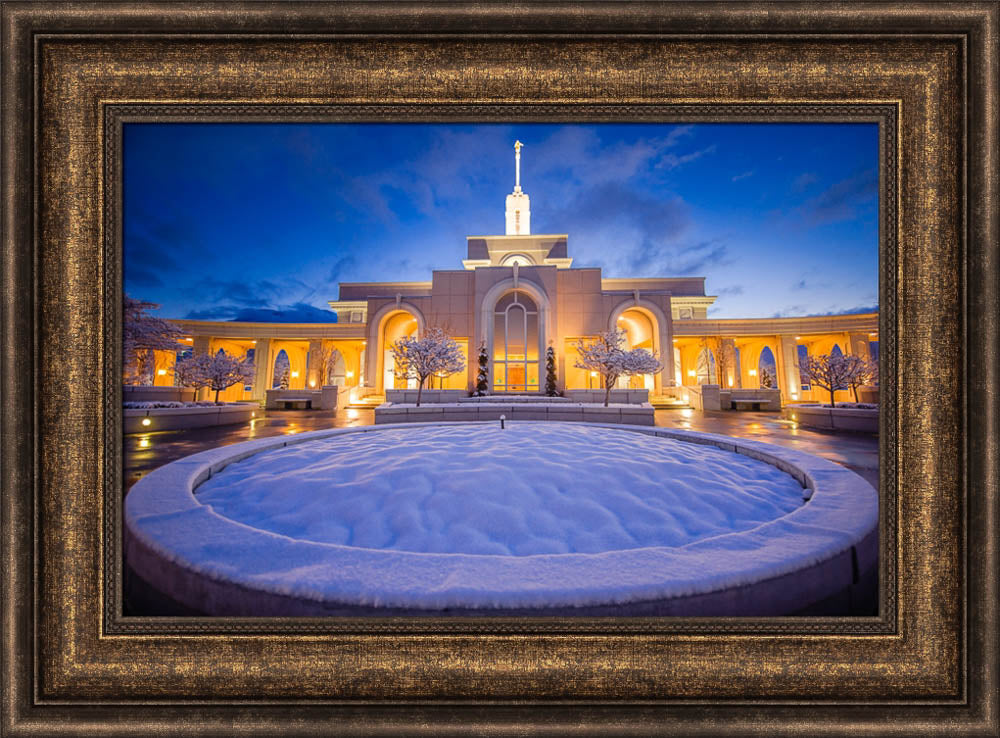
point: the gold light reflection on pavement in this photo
(144, 442)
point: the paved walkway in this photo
(145, 452)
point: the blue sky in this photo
(261, 221)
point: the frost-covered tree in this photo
(829, 371)
(142, 335)
(328, 358)
(483, 374)
(606, 356)
(766, 380)
(860, 373)
(550, 372)
(435, 353)
(217, 372)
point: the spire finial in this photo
(517, 165)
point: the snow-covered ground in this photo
(552, 488)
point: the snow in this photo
(515, 492)
(718, 524)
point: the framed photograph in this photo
(239, 239)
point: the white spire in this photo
(518, 204)
(517, 166)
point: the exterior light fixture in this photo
(295, 375)
(692, 373)
(795, 396)
(797, 338)
(730, 381)
(253, 415)
(593, 374)
(350, 375)
(147, 421)
(312, 382)
(752, 372)
(161, 372)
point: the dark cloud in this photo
(842, 200)
(234, 291)
(651, 258)
(299, 312)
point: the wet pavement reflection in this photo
(146, 451)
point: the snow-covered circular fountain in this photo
(469, 518)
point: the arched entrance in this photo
(397, 325)
(640, 332)
(517, 343)
(646, 326)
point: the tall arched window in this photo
(515, 343)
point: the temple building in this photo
(519, 293)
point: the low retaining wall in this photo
(471, 412)
(183, 418)
(138, 393)
(854, 420)
(839, 522)
(397, 396)
(327, 398)
(618, 396)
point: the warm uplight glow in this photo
(352, 414)
(692, 373)
(350, 375)
(797, 338)
(253, 414)
(795, 396)
(295, 375)
(687, 412)
(161, 372)
(147, 421)
(593, 374)
(730, 381)
(794, 416)
(752, 372)
(312, 382)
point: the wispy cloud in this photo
(803, 181)
(744, 175)
(842, 200)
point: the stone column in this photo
(788, 369)
(728, 345)
(262, 368)
(201, 345)
(857, 343)
(667, 377)
(314, 367)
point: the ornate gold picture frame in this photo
(73, 664)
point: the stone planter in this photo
(183, 418)
(854, 420)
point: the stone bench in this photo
(295, 403)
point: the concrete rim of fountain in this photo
(220, 574)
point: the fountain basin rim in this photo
(841, 512)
